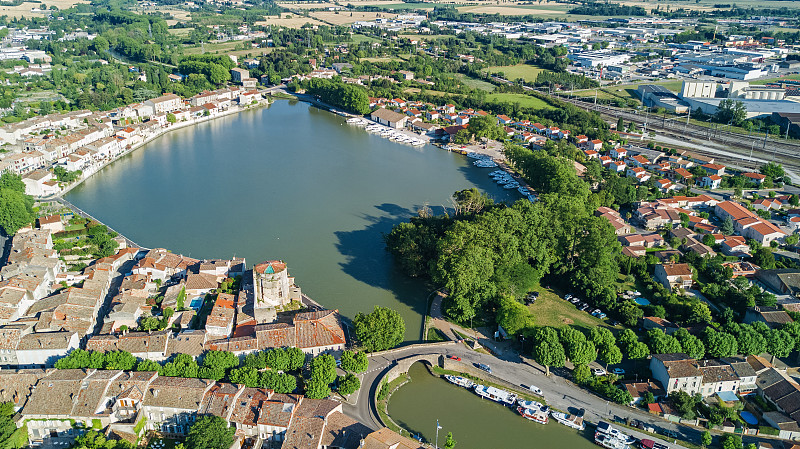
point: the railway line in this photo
(749, 152)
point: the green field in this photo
(522, 99)
(550, 310)
(772, 80)
(512, 72)
(474, 83)
(404, 6)
(626, 91)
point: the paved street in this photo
(559, 392)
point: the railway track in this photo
(732, 148)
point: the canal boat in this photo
(460, 381)
(604, 427)
(573, 421)
(650, 444)
(608, 441)
(495, 394)
(534, 414)
(511, 185)
(533, 404)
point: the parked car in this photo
(618, 371)
(599, 371)
(601, 315)
(535, 390)
(574, 300)
(567, 296)
(484, 367)
(453, 357)
(596, 311)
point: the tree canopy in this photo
(380, 329)
(210, 432)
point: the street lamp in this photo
(437, 434)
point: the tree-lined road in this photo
(559, 392)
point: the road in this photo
(559, 392)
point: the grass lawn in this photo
(405, 6)
(772, 80)
(550, 310)
(525, 71)
(74, 227)
(474, 83)
(437, 93)
(524, 100)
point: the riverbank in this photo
(163, 131)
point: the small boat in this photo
(495, 394)
(460, 381)
(511, 185)
(573, 421)
(534, 414)
(522, 190)
(604, 427)
(608, 441)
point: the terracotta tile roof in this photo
(176, 392)
(276, 266)
(304, 433)
(343, 431)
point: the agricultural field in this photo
(545, 10)
(436, 93)
(522, 99)
(289, 20)
(474, 83)
(347, 17)
(25, 9)
(512, 72)
(231, 48)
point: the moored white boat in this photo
(573, 421)
(460, 381)
(609, 441)
(495, 394)
(534, 414)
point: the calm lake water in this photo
(476, 423)
(288, 182)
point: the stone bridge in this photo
(403, 365)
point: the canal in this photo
(287, 182)
(476, 423)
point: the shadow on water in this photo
(367, 261)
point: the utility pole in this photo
(687, 120)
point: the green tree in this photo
(727, 226)
(296, 357)
(462, 137)
(348, 384)
(638, 351)
(691, 345)
(210, 432)
(610, 355)
(449, 442)
(148, 365)
(547, 350)
(772, 170)
(764, 258)
(171, 117)
(582, 353)
(119, 360)
(731, 442)
(379, 330)
(780, 343)
(731, 111)
(323, 368)
(581, 374)
(277, 359)
(705, 438)
(513, 316)
(354, 361)
(317, 389)
(16, 210)
(720, 344)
